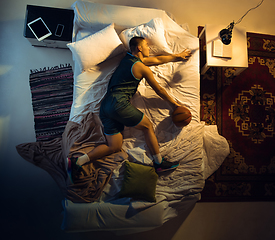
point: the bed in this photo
(95, 202)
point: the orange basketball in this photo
(181, 116)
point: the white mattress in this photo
(199, 148)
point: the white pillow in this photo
(153, 31)
(96, 48)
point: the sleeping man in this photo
(116, 110)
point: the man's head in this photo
(139, 44)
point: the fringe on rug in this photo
(50, 68)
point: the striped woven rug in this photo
(52, 96)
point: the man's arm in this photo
(142, 71)
(157, 60)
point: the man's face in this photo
(145, 48)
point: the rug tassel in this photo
(50, 68)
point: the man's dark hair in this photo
(134, 42)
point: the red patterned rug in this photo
(243, 107)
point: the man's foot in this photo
(165, 166)
(73, 169)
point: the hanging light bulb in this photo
(226, 34)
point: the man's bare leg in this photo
(150, 138)
(160, 163)
(114, 144)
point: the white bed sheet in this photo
(199, 148)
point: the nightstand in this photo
(212, 49)
(56, 19)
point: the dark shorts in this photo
(116, 112)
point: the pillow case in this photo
(96, 48)
(99, 15)
(139, 182)
(154, 33)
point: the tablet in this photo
(39, 29)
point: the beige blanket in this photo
(77, 138)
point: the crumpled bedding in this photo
(77, 138)
(92, 203)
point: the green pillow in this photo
(139, 182)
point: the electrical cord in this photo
(259, 4)
(226, 34)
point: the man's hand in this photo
(184, 55)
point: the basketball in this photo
(181, 116)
